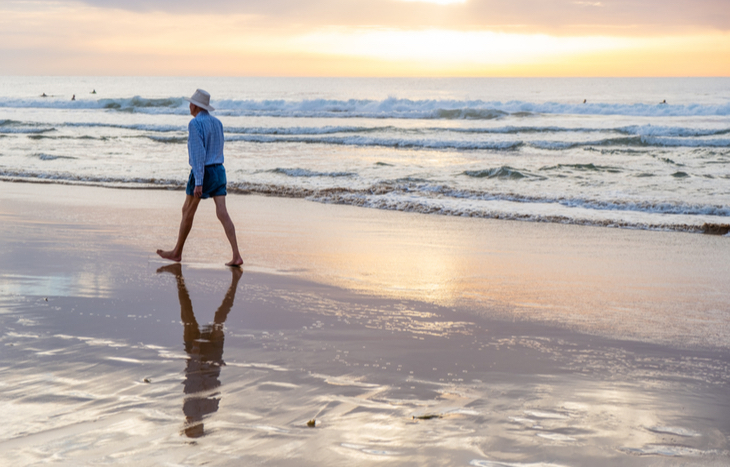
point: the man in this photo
(207, 177)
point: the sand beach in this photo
(409, 339)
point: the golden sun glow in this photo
(69, 37)
(456, 47)
(471, 53)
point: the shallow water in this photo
(108, 379)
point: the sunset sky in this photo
(366, 37)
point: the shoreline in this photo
(348, 197)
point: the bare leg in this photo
(188, 214)
(222, 212)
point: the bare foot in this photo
(235, 262)
(175, 269)
(169, 255)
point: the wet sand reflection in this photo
(204, 347)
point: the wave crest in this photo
(443, 109)
(504, 172)
(308, 173)
(138, 102)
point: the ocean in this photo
(648, 153)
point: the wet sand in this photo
(410, 339)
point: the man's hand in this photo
(198, 192)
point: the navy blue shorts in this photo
(214, 181)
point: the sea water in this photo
(639, 153)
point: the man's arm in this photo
(196, 153)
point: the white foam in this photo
(405, 143)
(392, 107)
(671, 131)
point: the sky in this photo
(489, 38)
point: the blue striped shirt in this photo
(205, 143)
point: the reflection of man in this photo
(205, 353)
(207, 177)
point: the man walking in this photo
(207, 177)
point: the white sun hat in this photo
(201, 99)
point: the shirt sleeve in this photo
(196, 152)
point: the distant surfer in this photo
(207, 177)
(663, 102)
(585, 100)
(93, 92)
(44, 95)
(73, 98)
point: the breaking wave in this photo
(436, 109)
(16, 127)
(636, 136)
(454, 109)
(504, 172)
(309, 173)
(402, 143)
(433, 143)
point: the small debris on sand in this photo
(426, 417)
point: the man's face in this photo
(194, 109)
